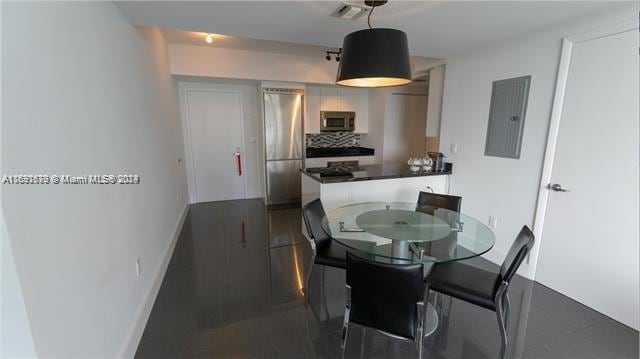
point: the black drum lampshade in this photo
(375, 58)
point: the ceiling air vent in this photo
(351, 10)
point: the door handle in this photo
(238, 162)
(557, 188)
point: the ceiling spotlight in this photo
(335, 53)
(209, 38)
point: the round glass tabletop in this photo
(406, 232)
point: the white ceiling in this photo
(435, 29)
(241, 43)
(419, 63)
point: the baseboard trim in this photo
(135, 333)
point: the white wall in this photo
(397, 123)
(253, 147)
(505, 188)
(84, 93)
(15, 333)
(405, 123)
(190, 60)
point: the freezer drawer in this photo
(283, 181)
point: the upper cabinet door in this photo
(312, 109)
(346, 99)
(361, 107)
(329, 99)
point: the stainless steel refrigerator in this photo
(283, 111)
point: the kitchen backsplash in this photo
(334, 139)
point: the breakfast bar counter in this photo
(367, 173)
(389, 182)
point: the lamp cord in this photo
(369, 17)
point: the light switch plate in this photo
(453, 148)
(493, 221)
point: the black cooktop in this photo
(334, 172)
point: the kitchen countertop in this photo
(367, 172)
(315, 152)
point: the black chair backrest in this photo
(313, 213)
(438, 200)
(517, 253)
(384, 296)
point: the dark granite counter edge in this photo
(328, 180)
(340, 155)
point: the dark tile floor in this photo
(233, 290)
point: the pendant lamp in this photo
(374, 57)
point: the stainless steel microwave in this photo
(337, 121)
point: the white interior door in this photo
(589, 245)
(214, 120)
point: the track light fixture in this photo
(335, 53)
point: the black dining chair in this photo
(434, 201)
(390, 298)
(481, 287)
(325, 251)
(437, 200)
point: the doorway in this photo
(213, 125)
(589, 242)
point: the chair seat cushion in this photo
(333, 255)
(465, 282)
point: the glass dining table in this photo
(399, 232)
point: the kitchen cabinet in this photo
(312, 109)
(322, 161)
(329, 99)
(434, 102)
(361, 107)
(335, 98)
(346, 99)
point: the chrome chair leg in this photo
(502, 327)
(362, 343)
(420, 327)
(507, 308)
(345, 321)
(323, 292)
(308, 279)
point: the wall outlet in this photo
(493, 221)
(453, 148)
(138, 267)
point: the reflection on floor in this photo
(233, 289)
